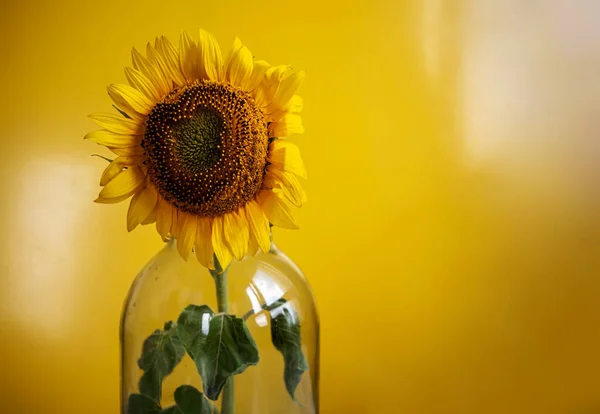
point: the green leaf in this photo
(220, 345)
(141, 404)
(190, 401)
(161, 352)
(285, 334)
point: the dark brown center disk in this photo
(206, 145)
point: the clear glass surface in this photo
(167, 284)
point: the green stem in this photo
(222, 291)
(222, 285)
(228, 404)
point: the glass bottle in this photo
(259, 289)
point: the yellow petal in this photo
(110, 139)
(171, 58)
(117, 165)
(286, 126)
(130, 100)
(151, 217)
(295, 104)
(122, 186)
(239, 65)
(137, 151)
(291, 188)
(276, 210)
(203, 245)
(253, 245)
(235, 228)
(219, 245)
(288, 87)
(273, 78)
(175, 222)
(142, 204)
(141, 63)
(259, 226)
(210, 59)
(110, 172)
(286, 156)
(269, 180)
(188, 57)
(164, 217)
(160, 68)
(245, 230)
(117, 124)
(260, 96)
(142, 83)
(258, 74)
(188, 225)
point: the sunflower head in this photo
(200, 147)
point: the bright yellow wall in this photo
(452, 234)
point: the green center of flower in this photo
(198, 140)
(206, 145)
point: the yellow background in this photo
(452, 234)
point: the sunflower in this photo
(200, 148)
